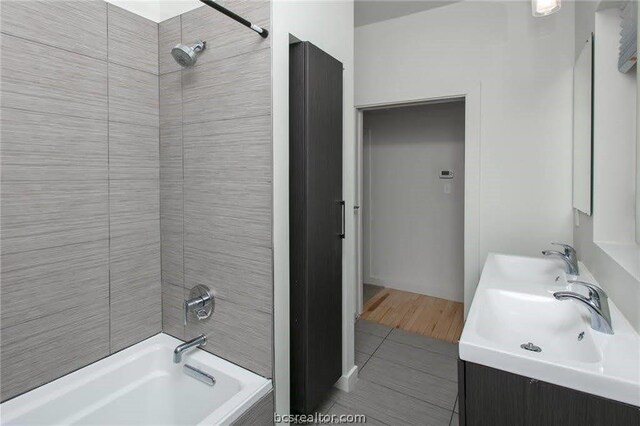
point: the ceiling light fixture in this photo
(544, 7)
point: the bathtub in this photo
(141, 386)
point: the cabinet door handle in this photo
(343, 214)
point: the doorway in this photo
(412, 217)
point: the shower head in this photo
(185, 55)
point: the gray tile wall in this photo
(80, 228)
(134, 178)
(216, 181)
(126, 178)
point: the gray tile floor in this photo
(404, 379)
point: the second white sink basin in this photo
(513, 319)
(514, 306)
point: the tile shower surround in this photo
(216, 182)
(109, 197)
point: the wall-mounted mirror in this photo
(583, 128)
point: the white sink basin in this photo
(514, 305)
(524, 318)
(516, 269)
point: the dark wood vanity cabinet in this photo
(491, 397)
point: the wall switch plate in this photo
(447, 188)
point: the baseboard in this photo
(347, 382)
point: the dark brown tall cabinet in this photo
(316, 212)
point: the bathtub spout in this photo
(199, 341)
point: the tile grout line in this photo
(410, 396)
(409, 368)
(184, 272)
(417, 369)
(33, 41)
(354, 412)
(408, 344)
(348, 408)
(105, 60)
(39, 318)
(451, 419)
(57, 114)
(95, 58)
(376, 349)
(334, 402)
(80, 117)
(160, 180)
(365, 363)
(108, 183)
(55, 247)
(425, 349)
(385, 338)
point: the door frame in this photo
(357, 216)
(471, 95)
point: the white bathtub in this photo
(141, 386)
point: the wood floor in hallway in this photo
(430, 316)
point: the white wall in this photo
(413, 231)
(584, 22)
(328, 25)
(621, 286)
(525, 69)
(585, 18)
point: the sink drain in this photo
(531, 347)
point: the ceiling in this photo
(157, 10)
(370, 11)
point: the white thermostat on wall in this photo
(446, 174)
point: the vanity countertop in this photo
(514, 305)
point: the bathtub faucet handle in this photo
(201, 302)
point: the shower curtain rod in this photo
(212, 3)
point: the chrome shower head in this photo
(185, 55)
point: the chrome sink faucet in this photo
(568, 255)
(597, 302)
(199, 341)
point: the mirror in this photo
(582, 128)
